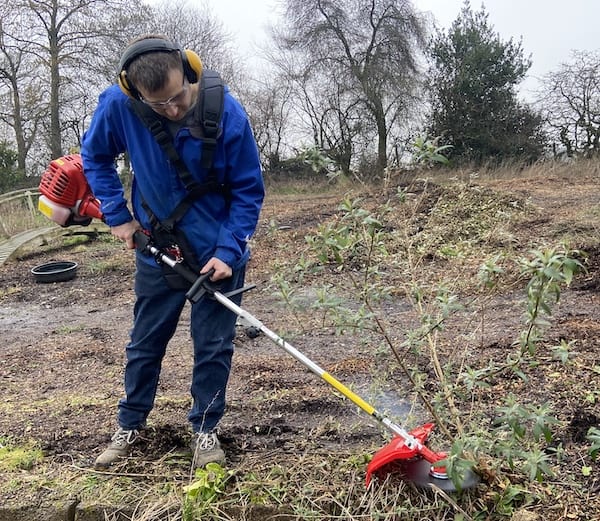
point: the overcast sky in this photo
(550, 29)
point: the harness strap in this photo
(211, 105)
(180, 210)
(208, 112)
(165, 141)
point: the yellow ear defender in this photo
(192, 64)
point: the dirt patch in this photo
(62, 353)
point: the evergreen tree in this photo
(10, 176)
(474, 103)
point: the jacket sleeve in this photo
(101, 145)
(244, 177)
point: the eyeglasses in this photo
(173, 100)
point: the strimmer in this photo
(406, 453)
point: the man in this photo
(217, 225)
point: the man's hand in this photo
(222, 270)
(125, 232)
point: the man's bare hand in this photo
(125, 232)
(222, 270)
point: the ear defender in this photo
(125, 87)
(192, 64)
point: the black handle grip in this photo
(200, 286)
(142, 242)
(200, 282)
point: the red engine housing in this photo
(65, 185)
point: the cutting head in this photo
(408, 462)
(420, 472)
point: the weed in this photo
(510, 498)
(547, 270)
(208, 486)
(428, 152)
(593, 436)
(15, 457)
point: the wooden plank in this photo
(10, 246)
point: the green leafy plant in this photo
(547, 270)
(537, 464)
(526, 419)
(490, 271)
(317, 160)
(511, 498)
(206, 489)
(593, 436)
(563, 351)
(428, 152)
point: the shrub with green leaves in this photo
(10, 177)
(428, 152)
(358, 243)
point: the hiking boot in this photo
(206, 449)
(118, 448)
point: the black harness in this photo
(208, 114)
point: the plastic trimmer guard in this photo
(409, 463)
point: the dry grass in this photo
(19, 215)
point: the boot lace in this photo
(122, 437)
(205, 441)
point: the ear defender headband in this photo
(192, 64)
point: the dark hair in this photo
(150, 71)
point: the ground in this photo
(62, 353)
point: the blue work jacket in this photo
(214, 226)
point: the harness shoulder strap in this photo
(208, 112)
(211, 107)
(164, 139)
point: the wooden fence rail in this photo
(18, 193)
(30, 195)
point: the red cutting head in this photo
(416, 463)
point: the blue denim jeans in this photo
(156, 313)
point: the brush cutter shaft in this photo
(201, 283)
(307, 362)
(410, 441)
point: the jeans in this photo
(156, 313)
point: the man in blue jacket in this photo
(217, 226)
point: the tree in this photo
(51, 41)
(474, 103)
(356, 62)
(570, 104)
(56, 56)
(10, 175)
(268, 106)
(62, 34)
(22, 96)
(194, 26)
(51, 56)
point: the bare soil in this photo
(62, 356)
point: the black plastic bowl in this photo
(57, 271)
